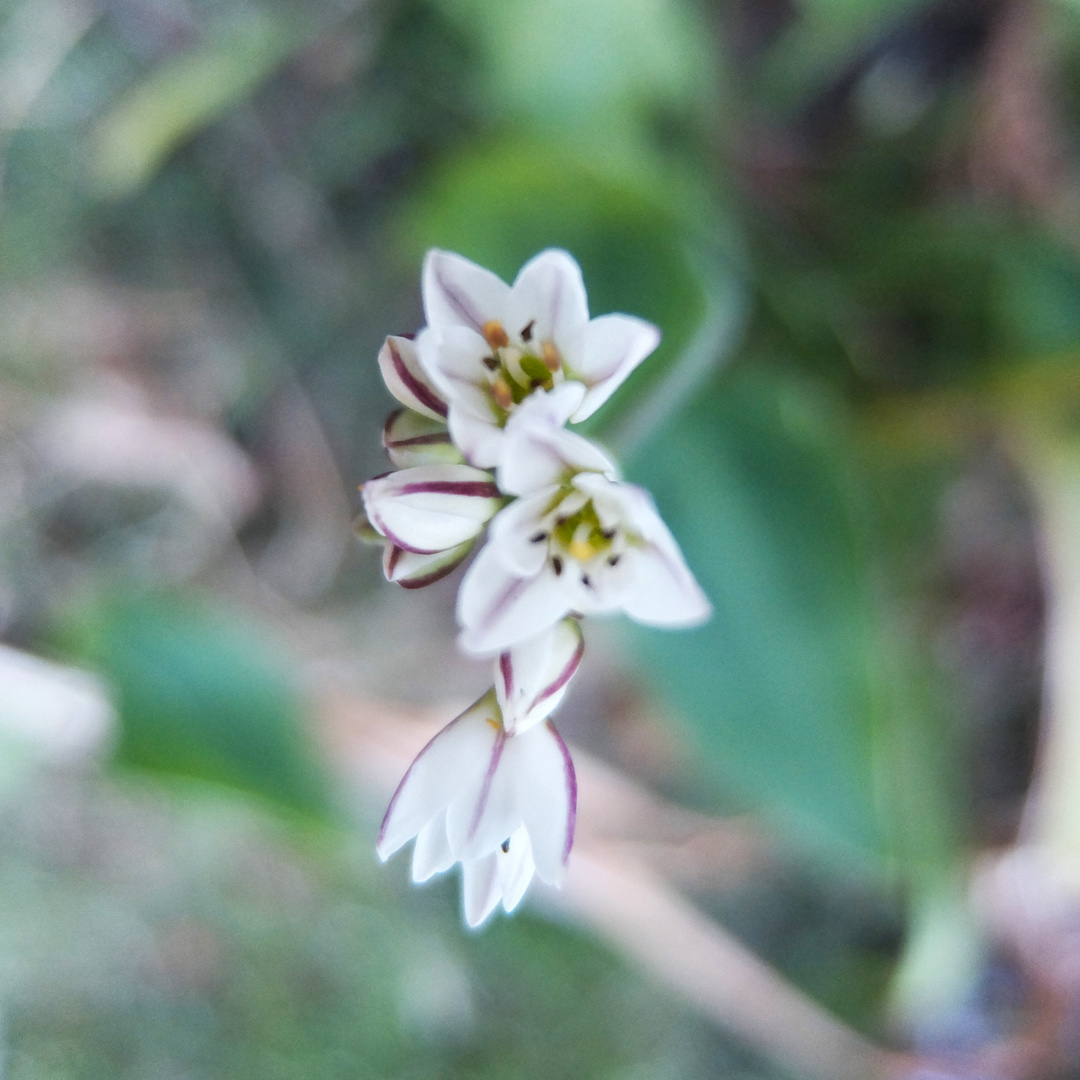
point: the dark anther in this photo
(609, 534)
(491, 363)
(505, 845)
(534, 383)
(556, 565)
(526, 332)
(408, 337)
(613, 560)
(540, 536)
(585, 581)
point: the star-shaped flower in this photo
(488, 346)
(495, 789)
(576, 540)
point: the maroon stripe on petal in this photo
(424, 394)
(489, 776)
(392, 560)
(482, 489)
(563, 677)
(429, 579)
(415, 440)
(506, 669)
(507, 597)
(461, 304)
(390, 421)
(408, 772)
(436, 438)
(571, 790)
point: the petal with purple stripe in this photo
(412, 571)
(497, 608)
(540, 767)
(412, 439)
(532, 677)
(406, 380)
(431, 508)
(457, 292)
(453, 761)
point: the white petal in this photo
(662, 591)
(452, 760)
(614, 346)
(458, 292)
(497, 608)
(412, 571)
(431, 507)
(413, 439)
(656, 585)
(480, 892)
(480, 440)
(432, 854)
(538, 451)
(486, 813)
(519, 674)
(406, 379)
(515, 531)
(515, 868)
(532, 677)
(453, 358)
(546, 788)
(549, 292)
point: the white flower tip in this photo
(474, 920)
(696, 610)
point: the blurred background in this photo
(834, 833)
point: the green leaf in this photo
(776, 687)
(201, 694)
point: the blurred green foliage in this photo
(200, 694)
(904, 261)
(199, 938)
(777, 682)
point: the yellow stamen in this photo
(581, 550)
(494, 334)
(494, 723)
(551, 356)
(504, 397)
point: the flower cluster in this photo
(488, 388)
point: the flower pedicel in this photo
(488, 388)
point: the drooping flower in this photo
(495, 789)
(577, 539)
(429, 517)
(488, 346)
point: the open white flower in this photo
(429, 517)
(488, 346)
(495, 789)
(576, 540)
